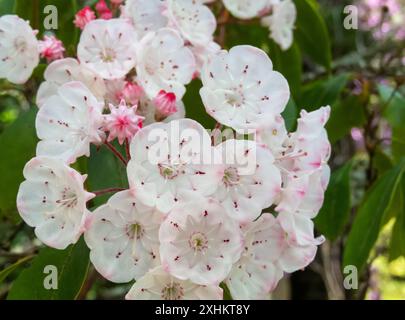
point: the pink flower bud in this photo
(103, 11)
(165, 103)
(122, 123)
(51, 48)
(131, 93)
(83, 17)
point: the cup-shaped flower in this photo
(195, 21)
(168, 166)
(146, 15)
(157, 284)
(250, 182)
(108, 47)
(281, 23)
(65, 70)
(19, 53)
(241, 90)
(200, 242)
(68, 122)
(52, 199)
(247, 9)
(123, 238)
(256, 274)
(164, 63)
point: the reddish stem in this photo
(104, 191)
(127, 150)
(116, 152)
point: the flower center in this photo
(235, 99)
(136, 230)
(108, 55)
(231, 177)
(172, 291)
(198, 242)
(169, 171)
(20, 44)
(68, 198)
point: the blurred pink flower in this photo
(51, 48)
(83, 17)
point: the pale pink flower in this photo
(123, 237)
(164, 171)
(246, 9)
(157, 284)
(68, 122)
(241, 90)
(83, 17)
(164, 63)
(257, 273)
(146, 15)
(200, 242)
(107, 47)
(51, 48)
(165, 103)
(122, 122)
(19, 54)
(52, 199)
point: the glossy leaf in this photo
(311, 32)
(368, 221)
(334, 214)
(17, 145)
(71, 265)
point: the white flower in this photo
(146, 15)
(68, 122)
(199, 242)
(66, 70)
(281, 23)
(159, 285)
(295, 233)
(164, 63)
(166, 163)
(192, 19)
(256, 274)
(52, 200)
(308, 148)
(304, 192)
(108, 47)
(273, 135)
(250, 182)
(202, 53)
(246, 9)
(123, 238)
(241, 90)
(19, 53)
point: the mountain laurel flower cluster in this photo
(201, 211)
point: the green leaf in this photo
(323, 92)
(10, 269)
(290, 115)
(398, 143)
(345, 114)
(394, 103)
(397, 243)
(334, 214)
(6, 7)
(370, 215)
(105, 171)
(17, 145)
(71, 264)
(289, 64)
(194, 106)
(311, 32)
